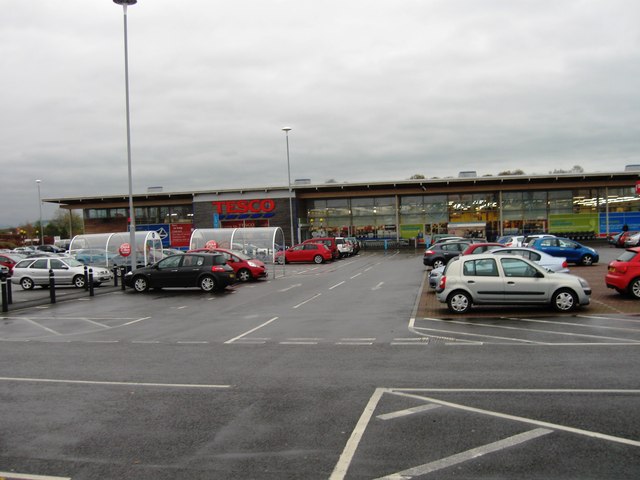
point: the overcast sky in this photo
(373, 89)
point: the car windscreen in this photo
(72, 262)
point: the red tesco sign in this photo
(245, 206)
(125, 250)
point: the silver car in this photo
(508, 280)
(67, 271)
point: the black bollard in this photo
(52, 286)
(9, 292)
(86, 278)
(123, 271)
(115, 276)
(91, 282)
(5, 301)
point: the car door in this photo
(39, 271)
(482, 278)
(310, 251)
(523, 282)
(190, 268)
(61, 271)
(166, 273)
(296, 254)
(569, 249)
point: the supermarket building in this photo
(586, 204)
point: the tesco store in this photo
(569, 204)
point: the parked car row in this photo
(533, 269)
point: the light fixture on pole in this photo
(286, 130)
(40, 209)
(132, 213)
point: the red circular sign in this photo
(211, 244)
(125, 250)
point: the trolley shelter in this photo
(259, 242)
(104, 248)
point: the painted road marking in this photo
(407, 411)
(26, 476)
(378, 286)
(252, 330)
(340, 470)
(468, 455)
(308, 300)
(289, 288)
(127, 384)
(337, 285)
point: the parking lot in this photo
(325, 372)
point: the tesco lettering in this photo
(244, 206)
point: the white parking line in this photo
(252, 330)
(337, 285)
(289, 288)
(25, 476)
(468, 455)
(407, 411)
(356, 275)
(530, 421)
(28, 320)
(377, 287)
(127, 384)
(308, 300)
(534, 330)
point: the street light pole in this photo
(40, 209)
(132, 213)
(286, 130)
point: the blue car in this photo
(573, 251)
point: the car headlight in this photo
(251, 264)
(583, 282)
(128, 274)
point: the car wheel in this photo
(140, 284)
(207, 283)
(586, 260)
(634, 288)
(318, 259)
(26, 283)
(459, 302)
(78, 281)
(244, 275)
(565, 300)
(281, 260)
(438, 262)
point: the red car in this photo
(624, 273)
(305, 252)
(329, 242)
(9, 260)
(245, 267)
(481, 248)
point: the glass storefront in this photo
(145, 215)
(474, 214)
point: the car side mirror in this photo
(576, 247)
(539, 274)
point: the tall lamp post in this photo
(132, 213)
(286, 131)
(40, 209)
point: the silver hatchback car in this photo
(508, 280)
(66, 270)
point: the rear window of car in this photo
(485, 267)
(626, 256)
(219, 260)
(24, 264)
